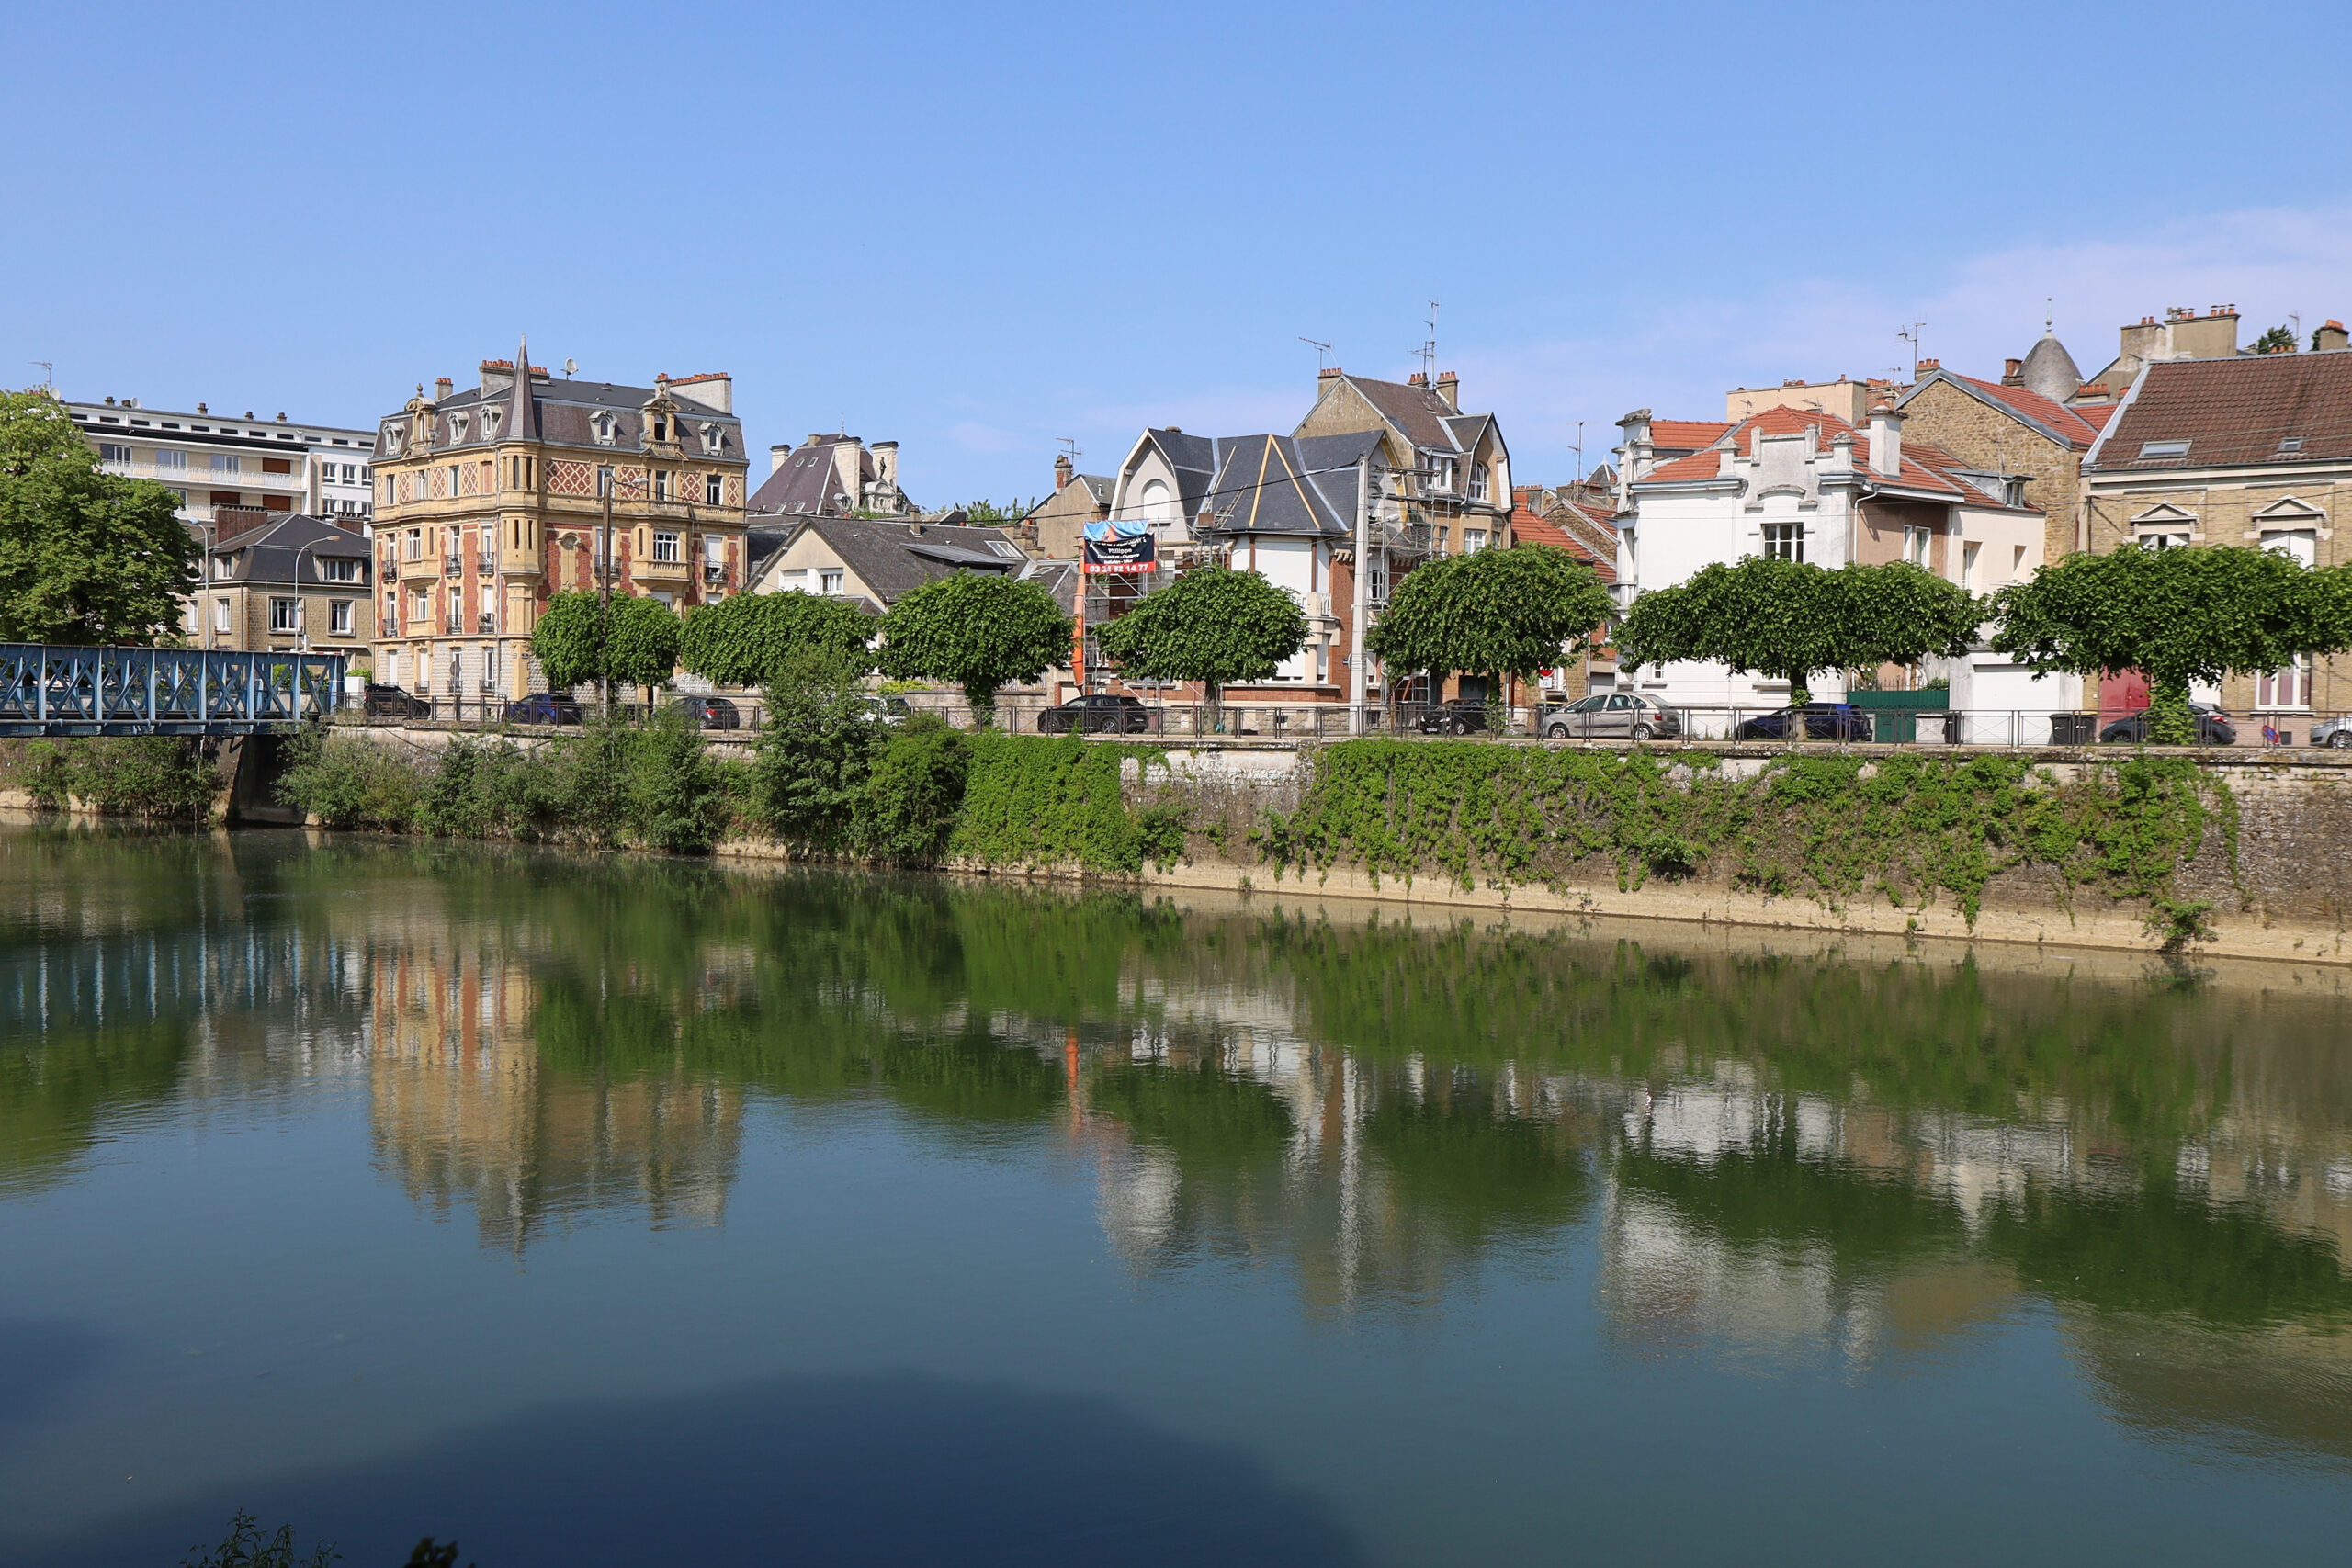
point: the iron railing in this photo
(62, 691)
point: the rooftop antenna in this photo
(570, 369)
(1070, 449)
(1580, 478)
(1911, 334)
(2049, 313)
(2294, 316)
(1427, 352)
(1322, 354)
(47, 368)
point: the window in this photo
(223, 567)
(416, 544)
(2288, 444)
(226, 463)
(420, 606)
(661, 484)
(168, 459)
(1968, 564)
(1157, 507)
(601, 423)
(1784, 541)
(2164, 448)
(2288, 688)
(457, 428)
(604, 478)
(1477, 482)
(714, 439)
(829, 583)
(1441, 473)
(661, 428)
(110, 453)
(1006, 548)
(220, 616)
(1918, 545)
(2299, 545)
(339, 618)
(2017, 563)
(456, 621)
(351, 473)
(665, 547)
(285, 615)
(714, 550)
(714, 489)
(341, 569)
(2164, 539)
(1473, 539)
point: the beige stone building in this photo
(282, 581)
(2255, 449)
(1056, 524)
(2008, 427)
(490, 501)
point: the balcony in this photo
(662, 570)
(520, 561)
(420, 566)
(452, 565)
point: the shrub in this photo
(157, 778)
(814, 755)
(914, 792)
(675, 799)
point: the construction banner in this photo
(1117, 548)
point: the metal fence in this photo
(52, 690)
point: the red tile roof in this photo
(2096, 414)
(1925, 467)
(1686, 434)
(2067, 422)
(1529, 527)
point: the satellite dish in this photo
(570, 366)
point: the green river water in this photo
(642, 1212)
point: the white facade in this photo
(212, 462)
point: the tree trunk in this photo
(2171, 721)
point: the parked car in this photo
(2336, 732)
(710, 713)
(889, 710)
(1454, 716)
(1610, 713)
(1823, 721)
(544, 707)
(2214, 728)
(1098, 713)
(392, 702)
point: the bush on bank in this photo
(152, 778)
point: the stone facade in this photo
(1994, 439)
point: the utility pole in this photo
(605, 595)
(1359, 595)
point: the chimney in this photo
(1449, 390)
(441, 385)
(1417, 380)
(2012, 372)
(1062, 471)
(2331, 338)
(228, 521)
(777, 454)
(1329, 373)
(201, 408)
(712, 389)
(1922, 370)
(886, 463)
(1886, 441)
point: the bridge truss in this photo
(48, 689)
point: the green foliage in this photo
(675, 799)
(990, 514)
(86, 557)
(1507, 611)
(1913, 830)
(1788, 619)
(2275, 340)
(347, 781)
(1213, 624)
(814, 753)
(913, 792)
(576, 644)
(977, 631)
(2178, 615)
(245, 1547)
(740, 641)
(1046, 801)
(156, 778)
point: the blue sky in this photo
(979, 230)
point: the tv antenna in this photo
(570, 369)
(1322, 354)
(1070, 449)
(47, 368)
(1580, 478)
(1911, 334)
(1427, 352)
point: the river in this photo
(641, 1212)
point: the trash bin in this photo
(2071, 728)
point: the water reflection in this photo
(1831, 1157)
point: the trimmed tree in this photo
(1213, 624)
(2176, 615)
(977, 631)
(1509, 612)
(1788, 619)
(573, 643)
(740, 641)
(86, 557)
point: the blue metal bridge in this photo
(60, 691)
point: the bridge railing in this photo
(54, 689)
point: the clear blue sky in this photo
(977, 230)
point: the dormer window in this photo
(602, 423)
(457, 428)
(714, 439)
(2290, 444)
(394, 434)
(661, 428)
(2164, 448)
(489, 424)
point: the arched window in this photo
(1159, 506)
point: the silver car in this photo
(1609, 716)
(2336, 732)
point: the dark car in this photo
(1823, 721)
(2214, 728)
(1454, 716)
(1098, 713)
(544, 707)
(710, 713)
(392, 702)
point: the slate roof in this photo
(271, 552)
(1926, 467)
(894, 559)
(1422, 416)
(807, 484)
(562, 411)
(1288, 484)
(2231, 412)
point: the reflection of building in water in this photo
(465, 1110)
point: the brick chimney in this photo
(1886, 440)
(2012, 372)
(1329, 373)
(1449, 390)
(2331, 338)
(441, 385)
(1417, 380)
(1062, 471)
(228, 521)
